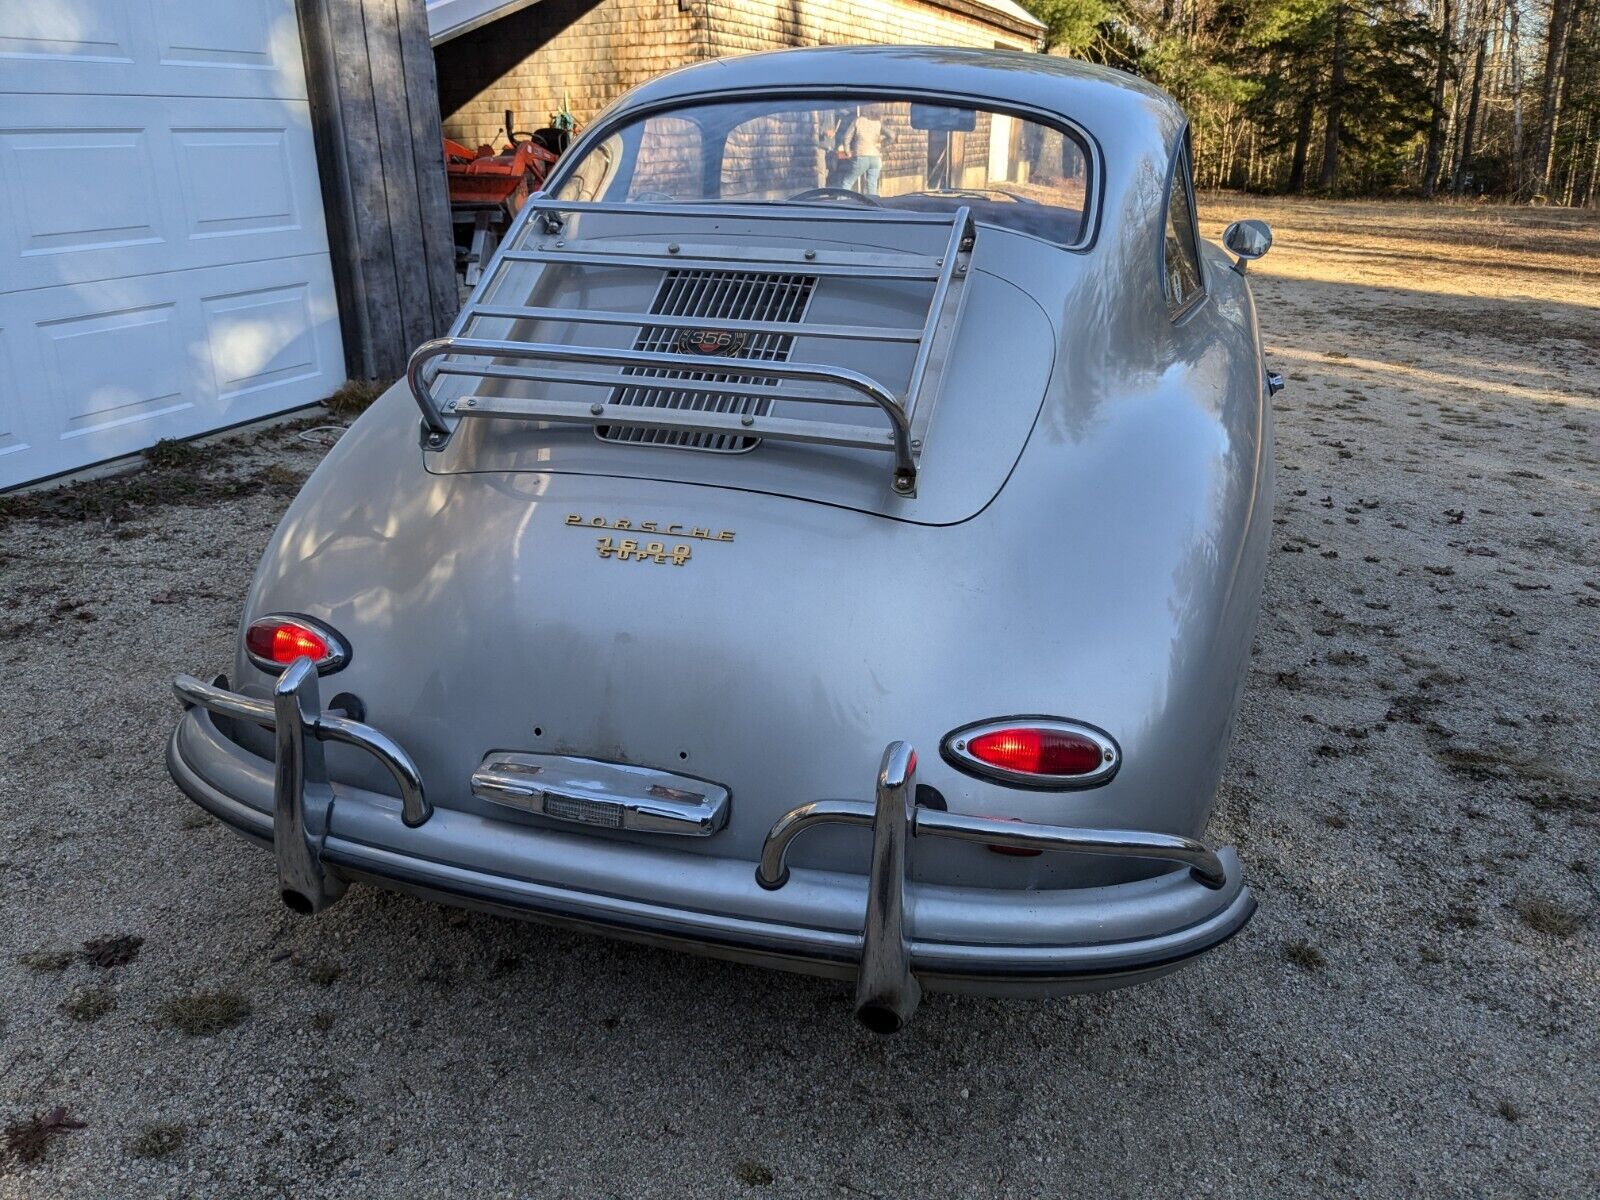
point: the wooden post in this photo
(375, 118)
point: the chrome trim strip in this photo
(324, 727)
(954, 750)
(1026, 835)
(586, 791)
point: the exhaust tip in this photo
(880, 1019)
(298, 901)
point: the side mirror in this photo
(1249, 240)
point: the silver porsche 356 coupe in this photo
(830, 538)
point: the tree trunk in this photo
(1330, 139)
(1464, 163)
(1591, 189)
(1441, 75)
(1555, 49)
(1302, 145)
(1514, 53)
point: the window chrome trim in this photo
(1094, 193)
(1181, 155)
(954, 751)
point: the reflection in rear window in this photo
(899, 154)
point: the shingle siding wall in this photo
(559, 51)
(589, 53)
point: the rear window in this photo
(882, 152)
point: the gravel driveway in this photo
(1415, 1010)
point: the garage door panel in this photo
(111, 367)
(262, 338)
(52, 209)
(115, 368)
(85, 31)
(165, 48)
(238, 181)
(204, 33)
(159, 191)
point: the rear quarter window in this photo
(1181, 253)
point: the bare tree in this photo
(1441, 76)
(1464, 162)
(1335, 115)
(1550, 94)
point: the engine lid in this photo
(982, 402)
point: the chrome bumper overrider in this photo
(302, 798)
(967, 939)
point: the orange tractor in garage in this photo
(488, 188)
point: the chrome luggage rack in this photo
(537, 239)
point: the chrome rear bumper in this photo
(961, 939)
(887, 992)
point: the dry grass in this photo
(354, 397)
(1304, 955)
(89, 1004)
(200, 1014)
(47, 961)
(177, 475)
(753, 1174)
(158, 1140)
(1548, 916)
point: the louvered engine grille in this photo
(714, 296)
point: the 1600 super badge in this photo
(633, 550)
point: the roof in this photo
(451, 18)
(1118, 108)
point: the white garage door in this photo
(163, 261)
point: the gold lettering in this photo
(725, 536)
(703, 534)
(574, 519)
(674, 528)
(603, 547)
(621, 524)
(648, 527)
(598, 522)
(680, 555)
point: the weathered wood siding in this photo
(375, 116)
(587, 53)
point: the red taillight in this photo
(1038, 752)
(277, 641)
